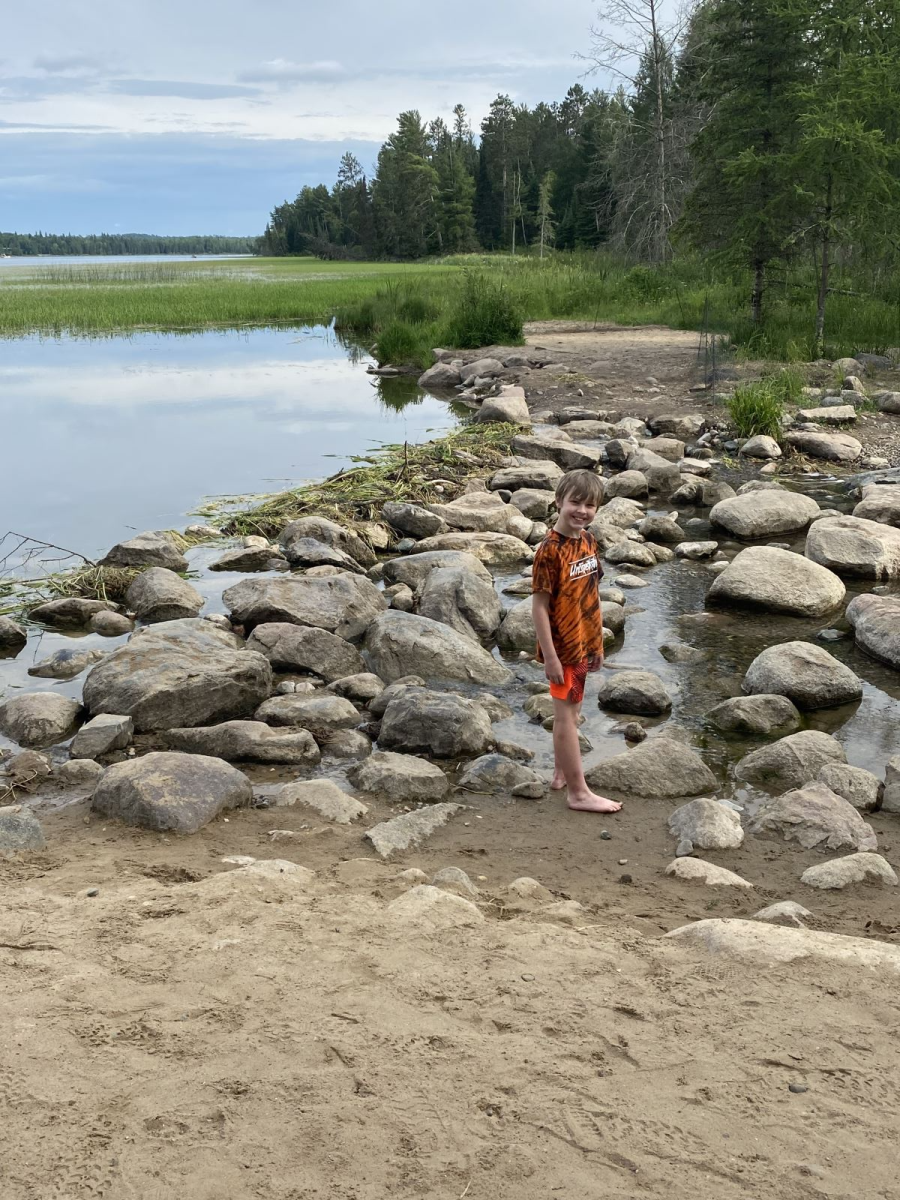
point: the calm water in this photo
(82, 260)
(107, 436)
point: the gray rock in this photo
(708, 825)
(855, 547)
(762, 577)
(493, 549)
(100, 735)
(251, 741)
(661, 529)
(360, 688)
(441, 376)
(807, 674)
(410, 829)
(684, 426)
(110, 624)
(462, 600)
(399, 596)
(613, 618)
(565, 454)
(891, 795)
(858, 787)
(66, 663)
(816, 818)
(639, 692)
(252, 558)
(839, 873)
(341, 604)
(166, 791)
(631, 581)
(833, 447)
(695, 870)
(401, 644)
(307, 554)
(72, 612)
(659, 768)
(27, 770)
(39, 719)
(539, 707)
(696, 550)
(761, 446)
(510, 406)
(496, 709)
(414, 569)
(441, 724)
(876, 626)
(619, 512)
(484, 512)
(324, 797)
(497, 773)
(764, 513)
(589, 430)
(791, 761)
(669, 448)
(155, 548)
(158, 594)
(482, 368)
(630, 484)
(12, 636)
(399, 687)
(832, 414)
(78, 772)
(404, 778)
(454, 880)
(20, 831)
(785, 912)
(346, 743)
(412, 519)
(756, 715)
(516, 631)
(320, 529)
(179, 673)
(309, 712)
(534, 503)
(752, 941)
(628, 553)
(298, 648)
(880, 503)
(543, 475)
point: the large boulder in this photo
(510, 407)
(833, 447)
(754, 941)
(564, 453)
(764, 514)
(630, 484)
(179, 673)
(484, 512)
(791, 761)
(168, 791)
(158, 594)
(838, 873)
(323, 713)
(639, 692)
(816, 818)
(404, 778)
(620, 512)
(39, 718)
(859, 787)
(761, 446)
(763, 577)
(855, 547)
(876, 626)
(71, 612)
(156, 548)
(441, 377)
(880, 502)
(544, 475)
(441, 724)
(465, 601)
(414, 569)
(534, 503)
(684, 426)
(807, 674)
(320, 529)
(304, 648)
(661, 529)
(342, 604)
(252, 741)
(587, 430)
(516, 631)
(497, 773)
(755, 715)
(493, 549)
(413, 520)
(659, 768)
(304, 553)
(707, 825)
(401, 644)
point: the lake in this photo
(78, 260)
(108, 436)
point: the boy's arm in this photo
(540, 611)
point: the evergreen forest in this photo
(24, 244)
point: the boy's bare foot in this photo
(558, 782)
(589, 802)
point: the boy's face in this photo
(576, 513)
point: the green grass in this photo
(410, 307)
(758, 407)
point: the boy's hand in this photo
(553, 669)
(595, 662)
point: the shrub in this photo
(483, 314)
(399, 342)
(758, 408)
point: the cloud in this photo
(183, 89)
(67, 64)
(282, 71)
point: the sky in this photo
(198, 117)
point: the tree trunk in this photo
(662, 233)
(819, 340)
(756, 299)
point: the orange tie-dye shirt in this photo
(569, 569)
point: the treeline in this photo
(16, 244)
(761, 132)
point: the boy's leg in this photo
(558, 782)
(567, 755)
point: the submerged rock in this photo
(165, 791)
(755, 715)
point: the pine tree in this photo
(545, 210)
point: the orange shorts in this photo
(572, 686)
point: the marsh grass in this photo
(394, 472)
(759, 407)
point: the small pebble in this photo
(623, 862)
(797, 1088)
(528, 977)
(605, 835)
(92, 892)
(625, 879)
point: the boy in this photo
(567, 619)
